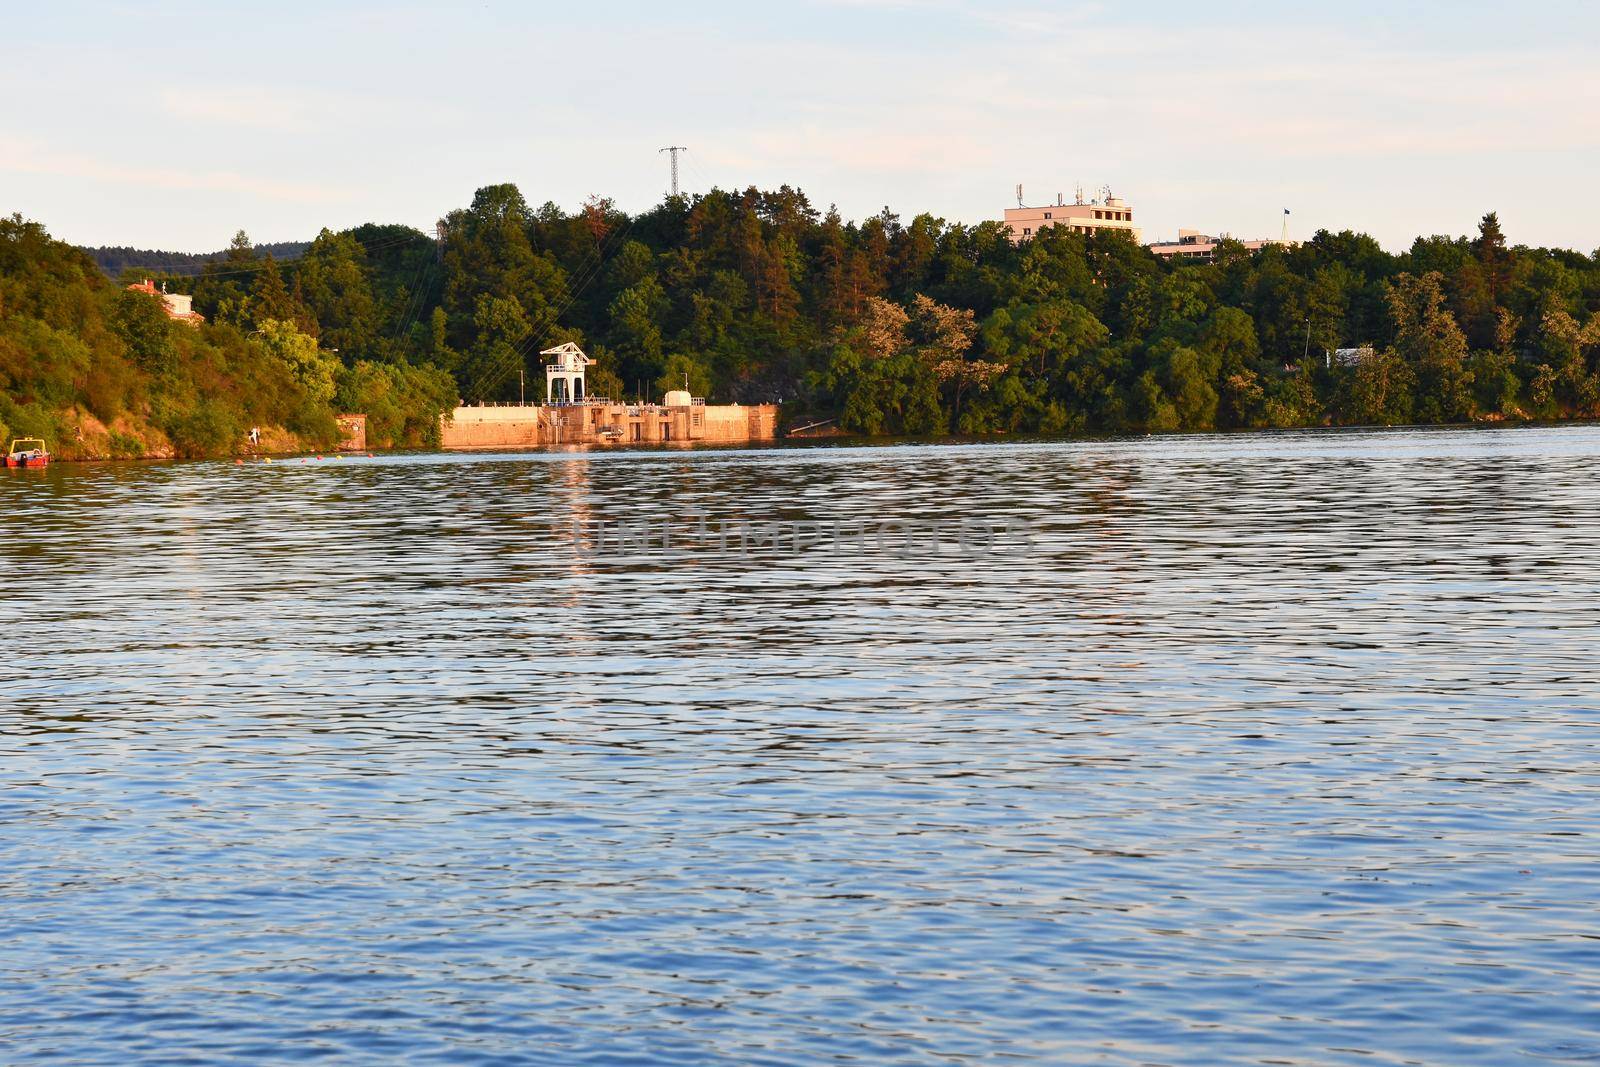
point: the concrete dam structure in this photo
(572, 417)
(602, 422)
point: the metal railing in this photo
(587, 401)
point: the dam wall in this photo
(606, 423)
(491, 427)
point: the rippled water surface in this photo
(1271, 749)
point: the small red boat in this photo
(27, 452)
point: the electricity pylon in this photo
(674, 149)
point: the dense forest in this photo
(884, 326)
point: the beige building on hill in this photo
(179, 306)
(1107, 214)
(1192, 246)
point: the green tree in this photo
(222, 292)
(684, 372)
(1380, 391)
(312, 369)
(1428, 337)
(141, 321)
(1494, 260)
(1043, 337)
(333, 282)
(270, 299)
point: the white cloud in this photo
(22, 157)
(254, 108)
(296, 110)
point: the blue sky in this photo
(172, 125)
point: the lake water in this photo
(1272, 748)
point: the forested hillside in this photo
(890, 327)
(99, 371)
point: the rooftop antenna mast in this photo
(674, 149)
(1019, 194)
(1078, 193)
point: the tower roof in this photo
(570, 351)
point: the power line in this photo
(602, 250)
(696, 172)
(415, 304)
(587, 273)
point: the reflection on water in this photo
(1278, 748)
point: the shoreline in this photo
(833, 440)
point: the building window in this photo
(1047, 214)
(1026, 230)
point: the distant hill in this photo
(115, 260)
